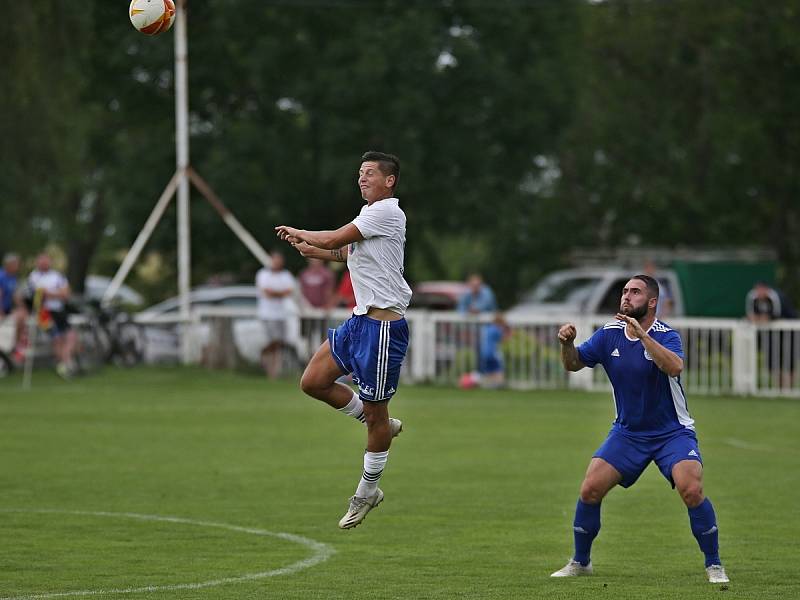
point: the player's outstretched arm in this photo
(309, 251)
(569, 354)
(327, 240)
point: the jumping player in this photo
(372, 343)
(643, 359)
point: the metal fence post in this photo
(745, 354)
(423, 340)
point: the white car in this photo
(162, 325)
(234, 295)
(591, 291)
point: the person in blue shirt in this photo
(478, 299)
(643, 359)
(10, 305)
(491, 368)
(8, 283)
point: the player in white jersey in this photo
(372, 343)
(643, 359)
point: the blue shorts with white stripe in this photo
(373, 351)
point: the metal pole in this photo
(182, 158)
(231, 221)
(141, 240)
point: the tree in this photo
(667, 146)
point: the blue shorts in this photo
(373, 351)
(60, 323)
(630, 456)
(489, 364)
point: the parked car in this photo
(438, 295)
(95, 286)
(590, 291)
(162, 330)
(233, 295)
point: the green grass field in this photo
(480, 490)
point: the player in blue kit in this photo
(643, 359)
(372, 343)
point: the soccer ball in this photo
(152, 17)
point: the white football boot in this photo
(572, 569)
(716, 574)
(359, 507)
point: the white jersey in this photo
(50, 281)
(376, 262)
(280, 281)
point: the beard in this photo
(634, 312)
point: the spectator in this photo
(479, 298)
(50, 291)
(491, 369)
(8, 283)
(317, 283)
(10, 304)
(275, 286)
(764, 304)
(344, 295)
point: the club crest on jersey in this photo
(647, 355)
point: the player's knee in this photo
(591, 493)
(310, 383)
(692, 494)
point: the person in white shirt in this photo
(50, 290)
(373, 342)
(275, 287)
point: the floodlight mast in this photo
(184, 174)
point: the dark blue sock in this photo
(586, 527)
(704, 527)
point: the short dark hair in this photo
(388, 164)
(650, 283)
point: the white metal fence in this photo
(722, 356)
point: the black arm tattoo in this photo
(337, 254)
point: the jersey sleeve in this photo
(672, 341)
(375, 221)
(591, 351)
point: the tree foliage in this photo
(524, 128)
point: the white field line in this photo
(321, 553)
(743, 445)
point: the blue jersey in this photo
(8, 284)
(648, 401)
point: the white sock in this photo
(355, 408)
(374, 462)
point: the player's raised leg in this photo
(319, 381)
(600, 478)
(688, 478)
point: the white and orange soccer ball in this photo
(152, 17)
